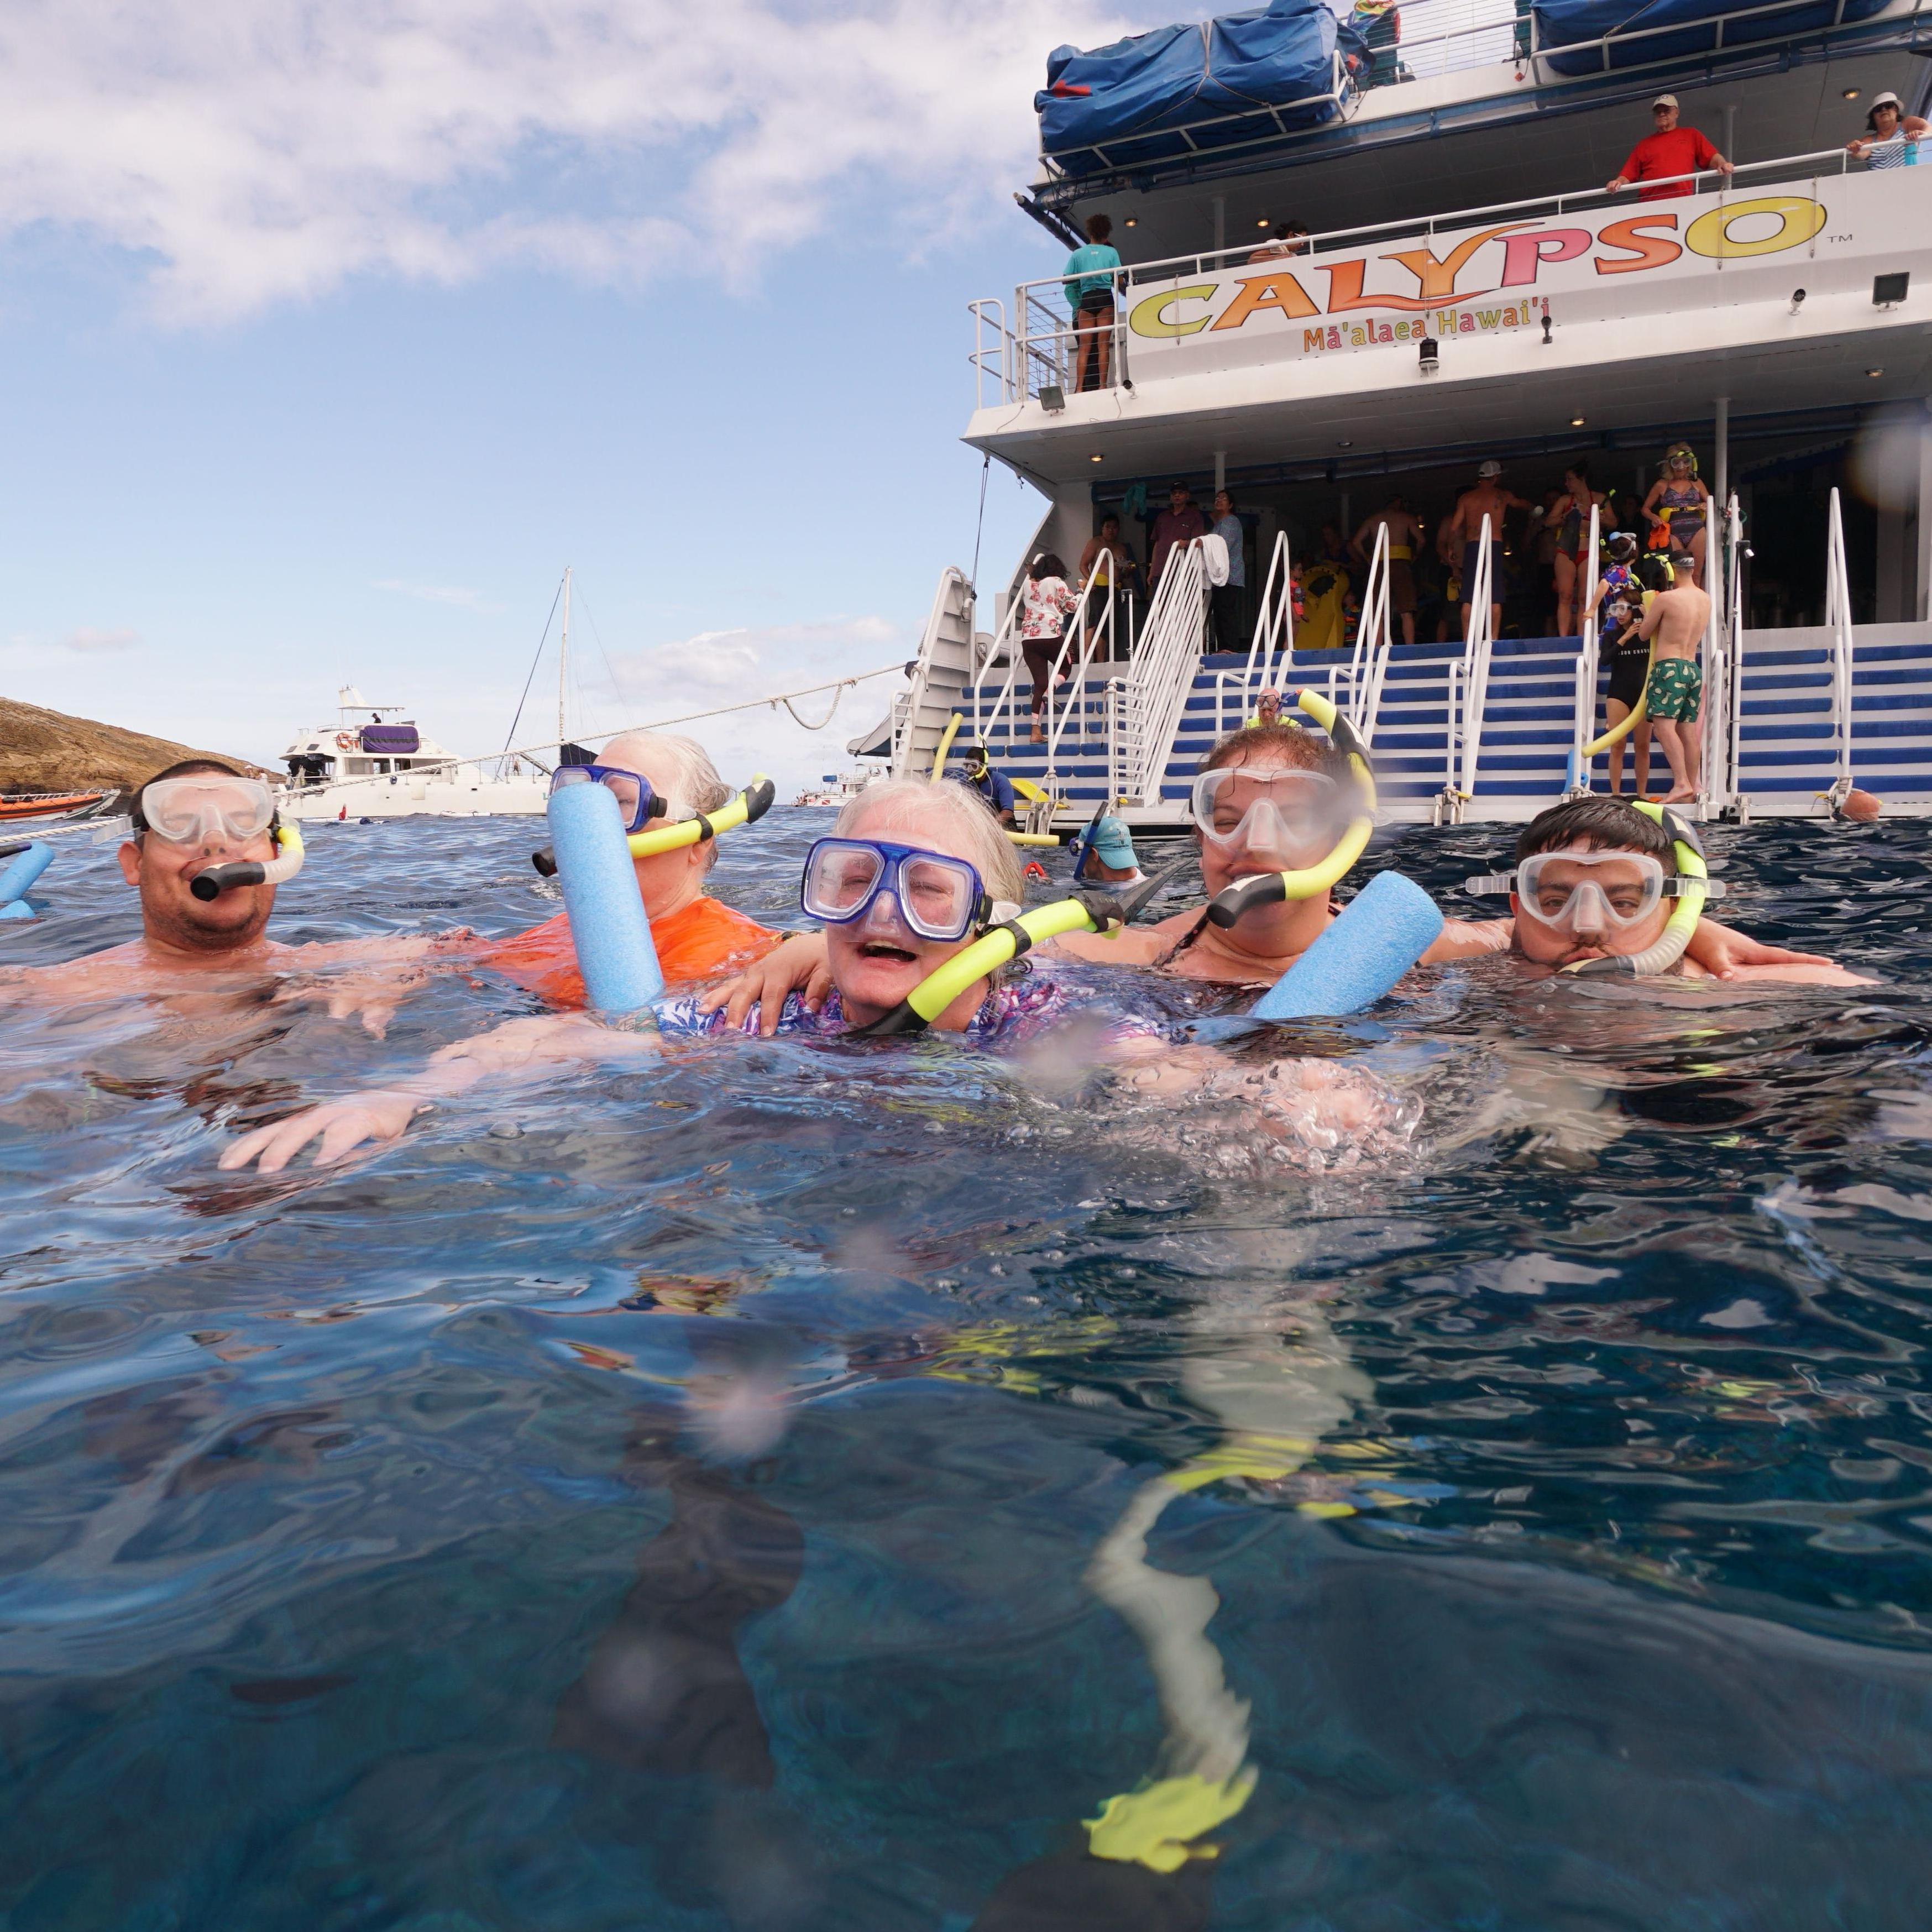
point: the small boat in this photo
(45, 804)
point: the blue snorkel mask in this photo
(631, 789)
(937, 896)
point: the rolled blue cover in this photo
(1383, 931)
(608, 924)
(22, 870)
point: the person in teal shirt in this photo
(1090, 294)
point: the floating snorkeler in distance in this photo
(1606, 887)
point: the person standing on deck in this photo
(1894, 140)
(1090, 296)
(1179, 522)
(1488, 499)
(1227, 606)
(1405, 545)
(1671, 150)
(1115, 573)
(1674, 624)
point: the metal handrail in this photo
(1838, 616)
(1021, 347)
(1368, 662)
(1153, 693)
(1583, 724)
(1271, 649)
(1088, 632)
(1734, 567)
(1476, 661)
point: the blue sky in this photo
(333, 334)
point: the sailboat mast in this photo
(563, 670)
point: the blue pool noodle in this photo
(608, 923)
(1383, 931)
(16, 909)
(25, 868)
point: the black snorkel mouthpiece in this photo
(1228, 908)
(219, 879)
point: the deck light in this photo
(1797, 300)
(1096, 459)
(1851, 93)
(1874, 372)
(1546, 327)
(1133, 221)
(1052, 398)
(1888, 291)
(1576, 422)
(1428, 356)
(1263, 223)
(1345, 443)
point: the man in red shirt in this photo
(1671, 150)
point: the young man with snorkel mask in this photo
(1606, 887)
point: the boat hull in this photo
(404, 795)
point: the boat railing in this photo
(1583, 719)
(1733, 582)
(1509, 37)
(1271, 649)
(1838, 620)
(1146, 704)
(1015, 362)
(1368, 660)
(1479, 593)
(1717, 781)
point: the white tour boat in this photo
(1470, 292)
(374, 762)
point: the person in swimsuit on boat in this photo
(1679, 506)
(1571, 513)
(1405, 545)
(1488, 499)
(1675, 617)
(1268, 798)
(1628, 654)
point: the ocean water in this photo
(794, 1487)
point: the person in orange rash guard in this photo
(697, 937)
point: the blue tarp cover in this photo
(1140, 88)
(1561, 22)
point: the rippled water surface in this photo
(792, 1487)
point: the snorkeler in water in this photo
(1603, 885)
(205, 851)
(912, 876)
(1268, 800)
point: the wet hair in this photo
(1098, 228)
(1654, 573)
(697, 786)
(1300, 749)
(987, 847)
(137, 819)
(1598, 824)
(1045, 564)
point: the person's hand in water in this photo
(1721, 950)
(512, 1052)
(367, 993)
(798, 964)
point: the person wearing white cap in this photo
(1488, 499)
(1663, 157)
(1893, 141)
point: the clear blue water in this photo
(667, 1499)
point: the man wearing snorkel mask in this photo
(1596, 879)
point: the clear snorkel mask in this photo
(1277, 819)
(218, 808)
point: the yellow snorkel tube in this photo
(747, 808)
(1226, 908)
(1694, 890)
(1084, 912)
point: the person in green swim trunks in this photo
(1676, 615)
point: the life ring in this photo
(345, 741)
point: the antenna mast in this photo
(563, 669)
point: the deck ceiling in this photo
(1414, 414)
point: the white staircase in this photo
(945, 669)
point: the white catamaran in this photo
(1470, 292)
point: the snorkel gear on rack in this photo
(1227, 908)
(1692, 888)
(749, 806)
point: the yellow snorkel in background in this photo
(747, 808)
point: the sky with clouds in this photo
(335, 332)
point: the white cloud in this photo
(86, 640)
(257, 150)
(438, 593)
